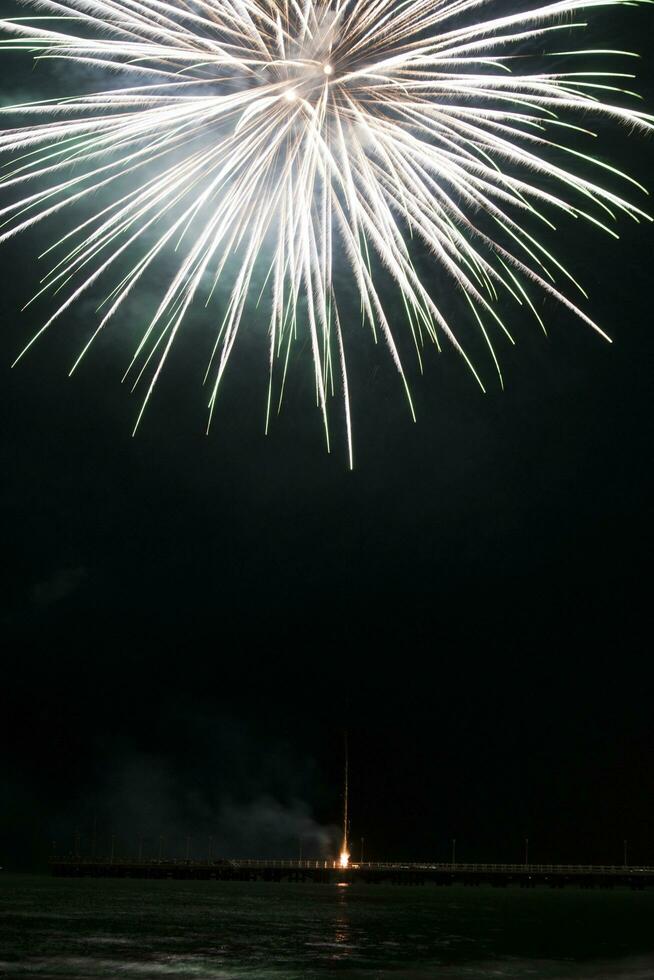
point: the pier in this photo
(369, 873)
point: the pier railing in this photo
(445, 866)
(335, 865)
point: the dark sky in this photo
(192, 621)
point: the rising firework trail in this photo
(344, 856)
(274, 143)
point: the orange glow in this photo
(344, 858)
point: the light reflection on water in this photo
(218, 930)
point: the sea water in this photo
(168, 929)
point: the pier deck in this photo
(372, 873)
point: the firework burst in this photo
(267, 140)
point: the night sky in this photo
(191, 621)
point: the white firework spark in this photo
(272, 138)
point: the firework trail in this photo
(265, 140)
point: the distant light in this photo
(290, 95)
(328, 70)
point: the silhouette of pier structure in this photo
(369, 872)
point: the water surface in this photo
(223, 930)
